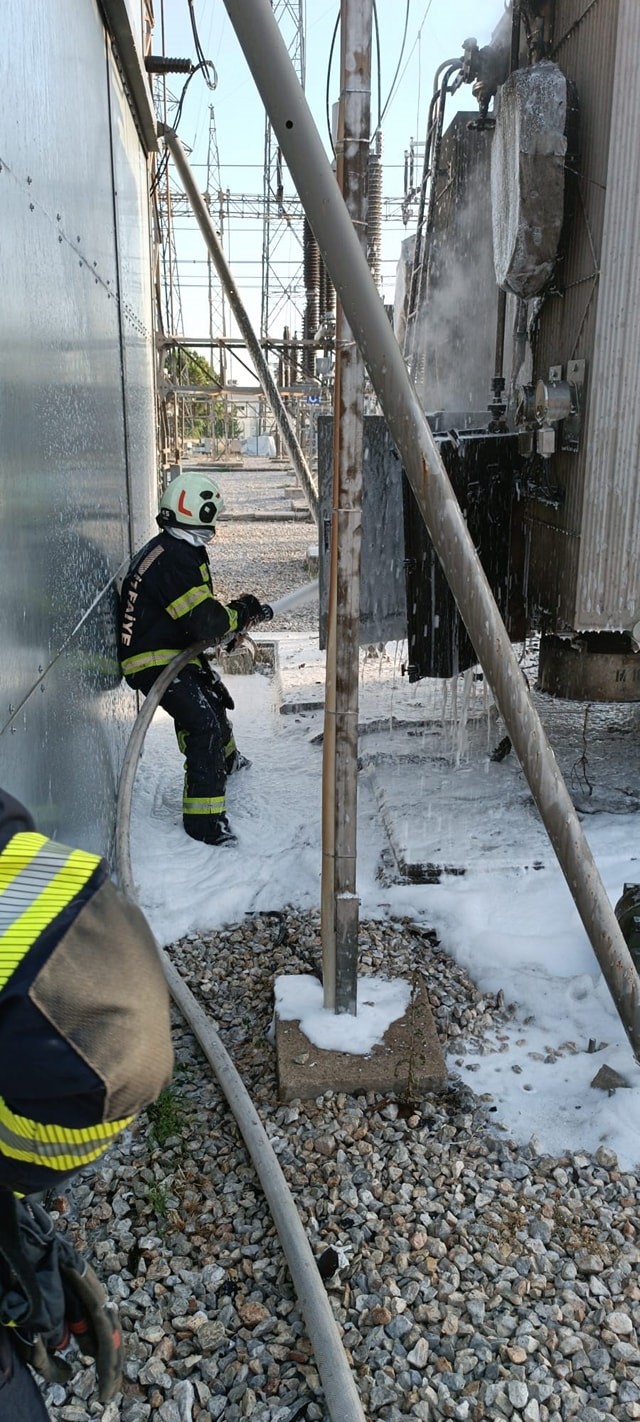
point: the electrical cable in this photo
(204, 64)
(410, 55)
(382, 112)
(326, 97)
(162, 165)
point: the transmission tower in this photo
(165, 205)
(277, 220)
(215, 200)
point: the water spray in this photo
(297, 598)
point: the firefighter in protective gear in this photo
(167, 603)
(85, 1044)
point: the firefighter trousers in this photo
(205, 736)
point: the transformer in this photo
(518, 305)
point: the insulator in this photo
(374, 211)
(311, 258)
(162, 64)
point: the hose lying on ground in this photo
(340, 1391)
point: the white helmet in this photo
(191, 500)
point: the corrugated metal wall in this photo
(608, 584)
(585, 556)
(77, 473)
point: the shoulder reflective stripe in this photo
(188, 601)
(18, 853)
(43, 886)
(203, 805)
(57, 1147)
(150, 558)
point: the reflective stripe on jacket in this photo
(63, 1148)
(38, 879)
(84, 1019)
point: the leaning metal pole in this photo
(265, 377)
(322, 200)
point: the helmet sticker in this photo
(208, 509)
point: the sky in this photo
(435, 31)
(513, 927)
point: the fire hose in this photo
(340, 1390)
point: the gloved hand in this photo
(53, 1296)
(248, 608)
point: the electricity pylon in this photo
(277, 221)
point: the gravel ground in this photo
(266, 558)
(479, 1280)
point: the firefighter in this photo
(84, 1044)
(166, 604)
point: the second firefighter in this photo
(166, 604)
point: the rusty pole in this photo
(275, 78)
(339, 918)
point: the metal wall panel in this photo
(383, 614)
(608, 586)
(75, 315)
(585, 41)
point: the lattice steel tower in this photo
(215, 200)
(276, 220)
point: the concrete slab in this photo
(408, 1063)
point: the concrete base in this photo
(408, 1063)
(244, 660)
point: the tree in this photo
(203, 417)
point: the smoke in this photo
(455, 334)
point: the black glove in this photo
(220, 691)
(50, 1295)
(248, 608)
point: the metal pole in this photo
(253, 345)
(339, 902)
(322, 200)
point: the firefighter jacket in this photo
(167, 603)
(85, 1037)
